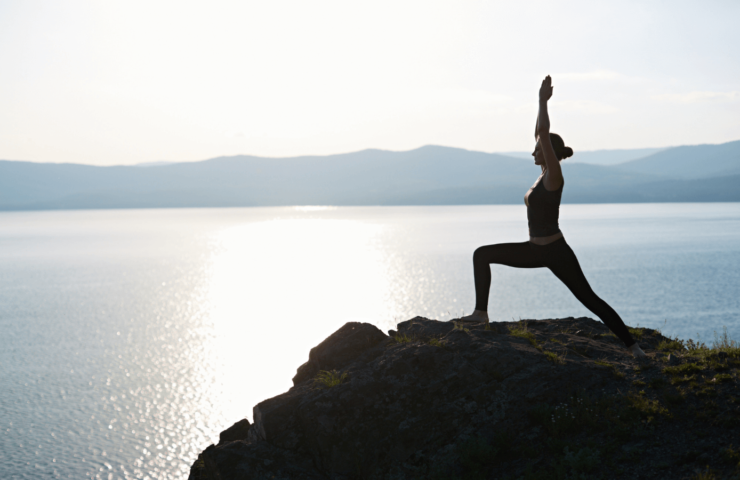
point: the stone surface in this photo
(238, 431)
(406, 405)
(339, 349)
(673, 360)
(240, 460)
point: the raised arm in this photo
(554, 175)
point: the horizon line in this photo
(502, 153)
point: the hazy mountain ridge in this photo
(430, 175)
(690, 162)
(599, 157)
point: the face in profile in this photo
(539, 157)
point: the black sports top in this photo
(543, 209)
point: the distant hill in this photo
(599, 157)
(430, 175)
(368, 177)
(696, 161)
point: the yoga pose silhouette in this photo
(546, 246)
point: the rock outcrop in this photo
(468, 401)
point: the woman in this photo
(546, 246)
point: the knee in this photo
(479, 256)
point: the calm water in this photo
(130, 338)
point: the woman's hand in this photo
(546, 89)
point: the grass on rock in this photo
(604, 434)
(330, 378)
(403, 338)
(520, 330)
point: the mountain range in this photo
(430, 175)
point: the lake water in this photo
(131, 338)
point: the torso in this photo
(552, 207)
(526, 195)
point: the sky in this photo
(112, 83)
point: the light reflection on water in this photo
(276, 287)
(131, 338)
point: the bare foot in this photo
(637, 352)
(477, 316)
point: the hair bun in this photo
(567, 152)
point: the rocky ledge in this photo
(544, 399)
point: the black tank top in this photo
(543, 209)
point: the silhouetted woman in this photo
(546, 246)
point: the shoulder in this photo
(553, 182)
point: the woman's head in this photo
(561, 151)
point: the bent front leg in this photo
(517, 255)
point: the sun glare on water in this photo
(278, 288)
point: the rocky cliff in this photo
(559, 399)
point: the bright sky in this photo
(139, 81)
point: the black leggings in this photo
(560, 259)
